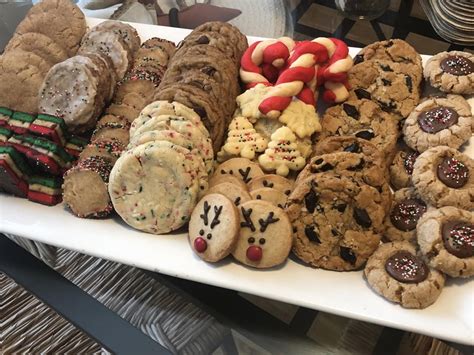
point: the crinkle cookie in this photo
(451, 72)
(401, 168)
(439, 121)
(446, 239)
(363, 119)
(406, 209)
(396, 273)
(444, 177)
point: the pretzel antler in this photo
(248, 221)
(215, 221)
(204, 216)
(264, 223)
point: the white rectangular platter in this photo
(346, 294)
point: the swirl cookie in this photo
(406, 209)
(363, 119)
(446, 239)
(241, 168)
(451, 72)
(401, 168)
(337, 221)
(265, 235)
(439, 121)
(396, 273)
(150, 191)
(445, 177)
(214, 227)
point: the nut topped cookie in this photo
(445, 177)
(401, 168)
(446, 239)
(439, 121)
(451, 72)
(398, 274)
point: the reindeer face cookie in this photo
(265, 235)
(214, 227)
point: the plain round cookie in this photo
(434, 243)
(409, 295)
(236, 193)
(219, 179)
(363, 119)
(275, 197)
(214, 227)
(274, 181)
(337, 221)
(451, 72)
(154, 188)
(439, 121)
(456, 169)
(242, 168)
(406, 209)
(401, 168)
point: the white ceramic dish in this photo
(345, 294)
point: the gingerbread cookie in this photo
(214, 227)
(236, 193)
(265, 235)
(439, 121)
(396, 273)
(401, 168)
(451, 72)
(445, 177)
(446, 239)
(242, 168)
(273, 181)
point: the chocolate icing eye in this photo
(209, 236)
(262, 241)
(258, 197)
(201, 232)
(251, 240)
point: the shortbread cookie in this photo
(151, 191)
(406, 209)
(143, 82)
(451, 72)
(401, 168)
(109, 149)
(273, 181)
(111, 130)
(214, 227)
(446, 239)
(236, 193)
(242, 168)
(128, 33)
(439, 121)
(445, 177)
(337, 221)
(396, 273)
(265, 235)
(275, 197)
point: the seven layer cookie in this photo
(14, 172)
(45, 190)
(49, 127)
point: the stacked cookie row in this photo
(50, 33)
(203, 75)
(111, 135)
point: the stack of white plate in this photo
(452, 20)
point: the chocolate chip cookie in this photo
(446, 239)
(444, 176)
(439, 121)
(451, 72)
(396, 273)
(337, 221)
(401, 168)
(363, 119)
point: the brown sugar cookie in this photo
(398, 274)
(214, 227)
(401, 168)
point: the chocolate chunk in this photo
(267, 183)
(348, 255)
(409, 83)
(453, 173)
(335, 232)
(458, 238)
(387, 107)
(311, 200)
(362, 217)
(386, 68)
(208, 70)
(406, 213)
(437, 119)
(311, 234)
(457, 65)
(405, 267)
(341, 207)
(325, 167)
(359, 58)
(388, 44)
(353, 148)
(358, 167)
(203, 40)
(367, 135)
(386, 82)
(362, 94)
(319, 161)
(409, 161)
(351, 111)
(200, 111)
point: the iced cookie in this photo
(275, 197)
(337, 221)
(214, 227)
(233, 192)
(401, 168)
(451, 72)
(439, 121)
(446, 239)
(363, 119)
(128, 33)
(273, 181)
(242, 168)
(445, 177)
(265, 235)
(406, 209)
(396, 273)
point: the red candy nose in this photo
(254, 253)
(200, 245)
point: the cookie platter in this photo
(293, 282)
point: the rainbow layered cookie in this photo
(5, 134)
(45, 190)
(20, 122)
(49, 127)
(75, 145)
(5, 115)
(14, 172)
